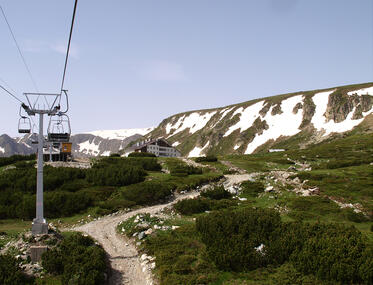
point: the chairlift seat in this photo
(24, 131)
(59, 137)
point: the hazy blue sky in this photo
(134, 63)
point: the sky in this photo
(134, 63)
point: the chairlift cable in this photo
(19, 49)
(8, 85)
(11, 94)
(68, 48)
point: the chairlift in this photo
(24, 125)
(59, 129)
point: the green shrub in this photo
(10, 273)
(14, 158)
(354, 217)
(141, 154)
(217, 193)
(185, 170)
(252, 188)
(208, 158)
(192, 206)
(222, 204)
(78, 259)
(115, 175)
(335, 253)
(232, 236)
(148, 192)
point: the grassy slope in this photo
(352, 183)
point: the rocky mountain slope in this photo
(86, 144)
(286, 121)
(279, 122)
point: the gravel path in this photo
(122, 252)
(123, 256)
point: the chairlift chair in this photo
(24, 125)
(59, 129)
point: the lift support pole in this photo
(39, 224)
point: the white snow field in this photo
(196, 152)
(89, 148)
(120, 134)
(284, 124)
(248, 117)
(2, 150)
(364, 91)
(319, 121)
(194, 122)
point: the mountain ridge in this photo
(291, 120)
(201, 132)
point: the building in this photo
(58, 151)
(159, 147)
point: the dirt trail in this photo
(123, 256)
(122, 252)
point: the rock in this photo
(143, 225)
(141, 235)
(149, 231)
(143, 257)
(135, 234)
(175, 227)
(152, 265)
(269, 189)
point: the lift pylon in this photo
(40, 104)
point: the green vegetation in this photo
(208, 158)
(16, 158)
(70, 191)
(10, 273)
(77, 260)
(141, 154)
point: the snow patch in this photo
(364, 91)
(2, 150)
(225, 112)
(237, 146)
(120, 134)
(175, 144)
(177, 125)
(194, 122)
(196, 152)
(89, 147)
(319, 121)
(284, 124)
(248, 117)
(106, 153)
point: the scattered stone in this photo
(141, 235)
(149, 231)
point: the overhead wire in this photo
(68, 47)
(11, 94)
(21, 55)
(7, 85)
(14, 96)
(19, 49)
